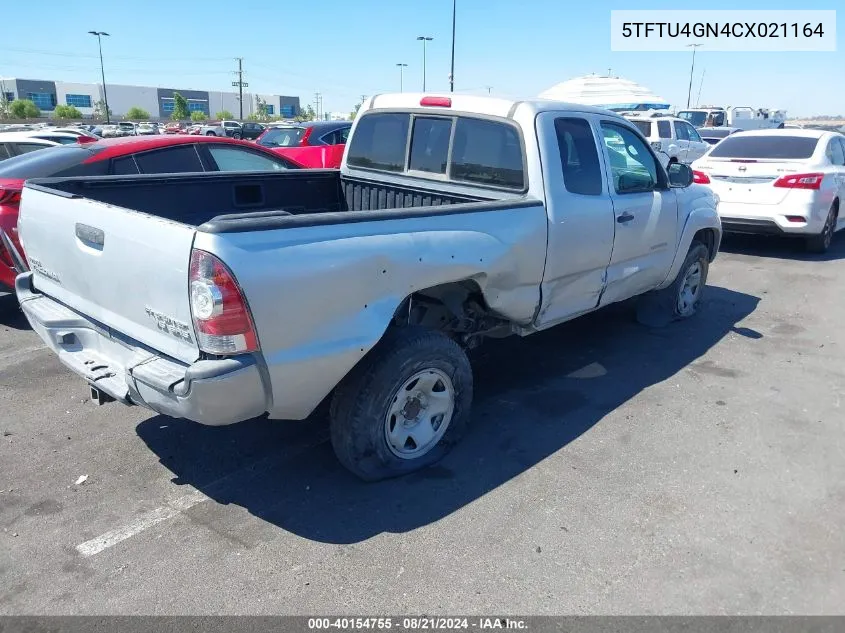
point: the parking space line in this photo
(113, 537)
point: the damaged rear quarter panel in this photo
(323, 296)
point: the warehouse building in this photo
(157, 101)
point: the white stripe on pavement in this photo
(104, 541)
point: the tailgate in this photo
(127, 270)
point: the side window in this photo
(180, 159)
(4, 152)
(25, 148)
(842, 144)
(681, 130)
(237, 159)
(343, 136)
(579, 157)
(693, 133)
(663, 129)
(631, 164)
(487, 153)
(330, 138)
(835, 152)
(124, 166)
(430, 145)
(380, 141)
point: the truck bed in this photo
(247, 201)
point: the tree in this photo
(354, 112)
(180, 108)
(196, 115)
(137, 113)
(260, 109)
(24, 109)
(307, 114)
(224, 114)
(100, 110)
(67, 112)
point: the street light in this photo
(402, 68)
(424, 39)
(689, 92)
(102, 70)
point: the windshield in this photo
(282, 137)
(772, 147)
(697, 119)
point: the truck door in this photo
(646, 215)
(581, 221)
(682, 136)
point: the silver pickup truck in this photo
(221, 297)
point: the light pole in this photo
(102, 70)
(424, 39)
(402, 68)
(452, 74)
(689, 92)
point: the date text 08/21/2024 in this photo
(415, 624)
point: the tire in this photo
(236, 136)
(369, 415)
(210, 133)
(821, 242)
(678, 300)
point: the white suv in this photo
(673, 139)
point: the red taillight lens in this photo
(437, 102)
(304, 140)
(800, 181)
(796, 218)
(221, 316)
(700, 177)
(10, 196)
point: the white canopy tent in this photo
(611, 93)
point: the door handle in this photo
(625, 217)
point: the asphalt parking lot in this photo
(612, 468)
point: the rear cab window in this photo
(776, 146)
(458, 148)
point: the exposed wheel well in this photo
(708, 238)
(457, 309)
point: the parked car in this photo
(672, 137)
(111, 131)
(76, 131)
(779, 182)
(713, 135)
(173, 128)
(55, 135)
(16, 143)
(215, 128)
(313, 144)
(147, 129)
(451, 219)
(127, 128)
(120, 156)
(251, 130)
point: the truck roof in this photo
(491, 106)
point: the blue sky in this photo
(348, 49)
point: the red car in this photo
(315, 144)
(157, 154)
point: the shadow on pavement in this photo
(781, 247)
(533, 396)
(10, 313)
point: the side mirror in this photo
(680, 175)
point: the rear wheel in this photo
(404, 406)
(821, 242)
(210, 133)
(236, 136)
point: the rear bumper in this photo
(214, 392)
(766, 219)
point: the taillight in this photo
(800, 181)
(10, 196)
(437, 102)
(304, 140)
(221, 316)
(700, 177)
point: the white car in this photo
(16, 143)
(781, 182)
(147, 129)
(51, 134)
(673, 139)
